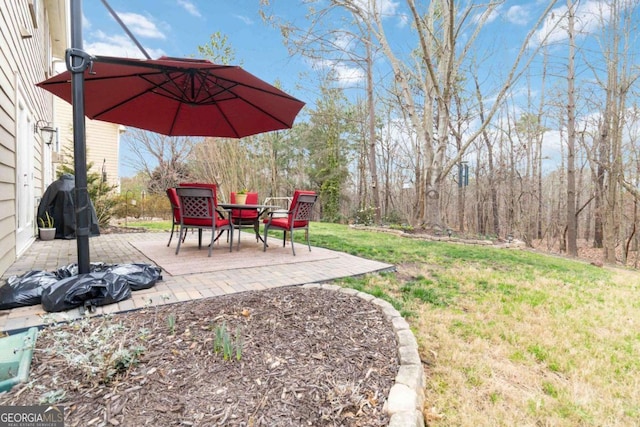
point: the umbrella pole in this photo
(124, 27)
(78, 61)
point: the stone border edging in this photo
(406, 397)
(480, 242)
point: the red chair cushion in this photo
(175, 203)
(285, 223)
(205, 222)
(252, 199)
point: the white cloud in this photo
(403, 20)
(386, 8)
(141, 25)
(589, 15)
(348, 76)
(190, 7)
(345, 75)
(245, 19)
(344, 40)
(118, 45)
(518, 15)
(488, 15)
(86, 24)
(552, 147)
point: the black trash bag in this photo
(89, 290)
(139, 276)
(72, 269)
(25, 290)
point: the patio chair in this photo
(214, 188)
(246, 217)
(175, 209)
(297, 217)
(198, 210)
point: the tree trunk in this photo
(493, 188)
(373, 169)
(599, 183)
(572, 245)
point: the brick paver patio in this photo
(190, 275)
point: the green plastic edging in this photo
(15, 358)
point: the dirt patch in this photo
(308, 357)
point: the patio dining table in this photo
(262, 209)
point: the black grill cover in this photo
(58, 200)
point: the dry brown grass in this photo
(557, 356)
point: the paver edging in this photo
(406, 397)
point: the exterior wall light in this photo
(47, 132)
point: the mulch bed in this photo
(308, 357)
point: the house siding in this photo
(102, 139)
(24, 61)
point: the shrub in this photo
(365, 216)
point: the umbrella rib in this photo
(235, 95)
(157, 88)
(175, 118)
(161, 87)
(226, 119)
(259, 89)
(169, 68)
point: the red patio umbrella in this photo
(168, 95)
(175, 96)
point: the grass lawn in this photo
(509, 337)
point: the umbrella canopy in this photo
(180, 97)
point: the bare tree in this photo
(434, 77)
(333, 46)
(491, 175)
(162, 159)
(616, 81)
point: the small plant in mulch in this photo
(52, 397)
(171, 322)
(225, 345)
(101, 351)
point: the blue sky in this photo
(177, 27)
